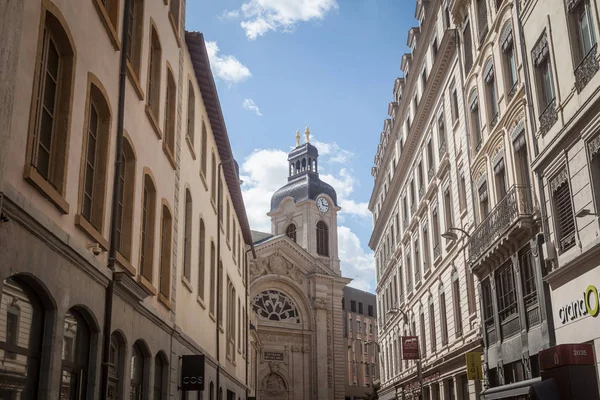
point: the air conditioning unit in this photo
(549, 251)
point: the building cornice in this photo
(438, 72)
(410, 84)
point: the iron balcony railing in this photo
(586, 69)
(516, 204)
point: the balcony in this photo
(509, 222)
(586, 69)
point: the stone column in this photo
(456, 383)
(321, 361)
(11, 25)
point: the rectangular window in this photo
(506, 293)
(492, 98)
(360, 308)
(462, 193)
(529, 285)
(564, 219)
(165, 253)
(484, 204)
(422, 338)
(443, 319)
(476, 124)
(436, 233)
(456, 304)
(352, 305)
(430, 161)
(454, 105)
(482, 21)
(468, 47)
(582, 27)
(432, 332)
(488, 310)
(370, 311)
(409, 282)
(426, 262)
(417, 264)
(154, 74)
(448, 208)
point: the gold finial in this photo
(297, 138)
(307, 133)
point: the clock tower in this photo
(306, 208)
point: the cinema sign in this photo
(587, 305)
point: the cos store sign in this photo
(588, 305)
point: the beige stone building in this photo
(176, 291)
(296, 289)
(422, 190)
(504, 244)
(561, 43)
(360, 330)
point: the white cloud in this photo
(250, 105)
(263, 172)
(333, 152)
(355, 262)
(261, 16)
(226, 67)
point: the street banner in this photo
(474, 370)
(410, 347)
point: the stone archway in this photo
(273, 387)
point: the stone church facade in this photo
(296, 290)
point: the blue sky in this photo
(281, 65)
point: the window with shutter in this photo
(563, 211)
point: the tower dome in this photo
(303, 180)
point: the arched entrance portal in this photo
(273, 387)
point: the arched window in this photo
(303, 164)
(322, 239)
(273, 305)
(203, 153)
(166, 229)
(187, 237)
(213, 179)
(137, 372)
(23, 317)
(220, 293)
(116, 362)
(290, 231)
(174, 15)
(147, 236)
(213, 276)
(297, 166)
(201, 259)
(170, 110)
(160, 376)
(154, 65)
(191, 113)
(75, 357)
(94, 158)
(135, 13)
(125, 204)
(50, 112)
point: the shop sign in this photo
(192, 372)
(588, 305)
(566, 354)
(474, 371)
(410, 347)
(273, 356)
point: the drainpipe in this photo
(247, 323)
(108, 305)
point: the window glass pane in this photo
(20, 344)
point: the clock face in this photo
(323, 204)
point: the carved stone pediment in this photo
(322, 303)
(275, 264)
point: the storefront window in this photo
(75, 356)
(20, 348)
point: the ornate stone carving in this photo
(558, 180)
(548, 118)
(274, 383)
(273, 305)
(540, 50)
(594, 146)
(586, 69)
(277, 265)
(274, 338)
(322, 303)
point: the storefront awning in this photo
(512, 389)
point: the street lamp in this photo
(395, 310)
(450, 235)
(584, 212)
